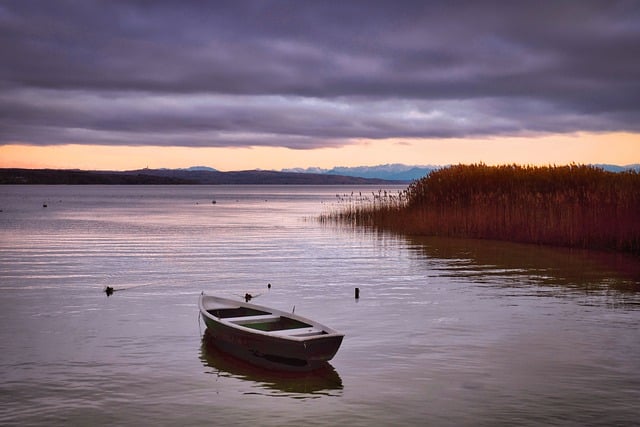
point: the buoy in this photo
(44, 205)
(213, 202)
(357, 293)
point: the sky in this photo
(280, 84)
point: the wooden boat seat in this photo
(298, 332)
(253, 319)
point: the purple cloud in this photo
(311, 74)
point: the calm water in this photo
(446, 332)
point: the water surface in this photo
(446, 332)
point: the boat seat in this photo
(308, 334)
(253, 319)
(298, 332)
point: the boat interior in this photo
(264, 321)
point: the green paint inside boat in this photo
(282, 323)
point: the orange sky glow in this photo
(611, 148)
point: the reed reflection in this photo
(508, 265)
(324, 381)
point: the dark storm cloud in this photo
(310, 74)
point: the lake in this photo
(445, 332)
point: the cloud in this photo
(307, 75)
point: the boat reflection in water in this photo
(323, 381)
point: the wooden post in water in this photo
(357, 293)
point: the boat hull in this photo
(268, 350)
(325, 379)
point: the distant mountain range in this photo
(361, 175)
(407, 173)
(616, 168)
(392, 172)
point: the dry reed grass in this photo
(574, 206)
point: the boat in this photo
(268, 337)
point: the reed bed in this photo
(575, 206)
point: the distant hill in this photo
(202, 176)
(192, 176)
(79, 177)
